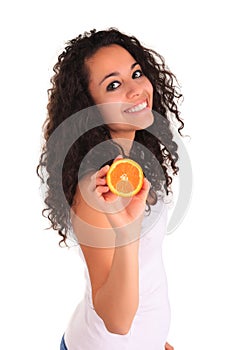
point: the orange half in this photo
(125, 177)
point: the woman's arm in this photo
(116, 302)
(113, 271)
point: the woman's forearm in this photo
(116, 302)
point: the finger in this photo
(100, 181)
(101, 190)
(118, 158)
(102, 172)
(97, 177)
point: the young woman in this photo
(111, 98)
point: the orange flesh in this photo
(131, 173)
(125, 178)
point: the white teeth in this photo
(137, 108)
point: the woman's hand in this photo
(168, 347)
(121, 212)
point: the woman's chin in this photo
(142, 120)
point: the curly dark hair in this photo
(154, 148)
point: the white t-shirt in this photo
(149, 330)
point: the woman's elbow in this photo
(121, 330)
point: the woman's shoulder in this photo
(90, 224)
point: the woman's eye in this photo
(114, 85)
(137, 74)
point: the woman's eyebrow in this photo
(116, 73)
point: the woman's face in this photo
(125, 94)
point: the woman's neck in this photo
(125, 143)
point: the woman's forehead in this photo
(110, 59)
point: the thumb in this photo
(143, 193)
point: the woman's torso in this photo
(86, 330)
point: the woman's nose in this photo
(133, 89)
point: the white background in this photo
(42, 283)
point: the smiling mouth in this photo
(137, 108)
